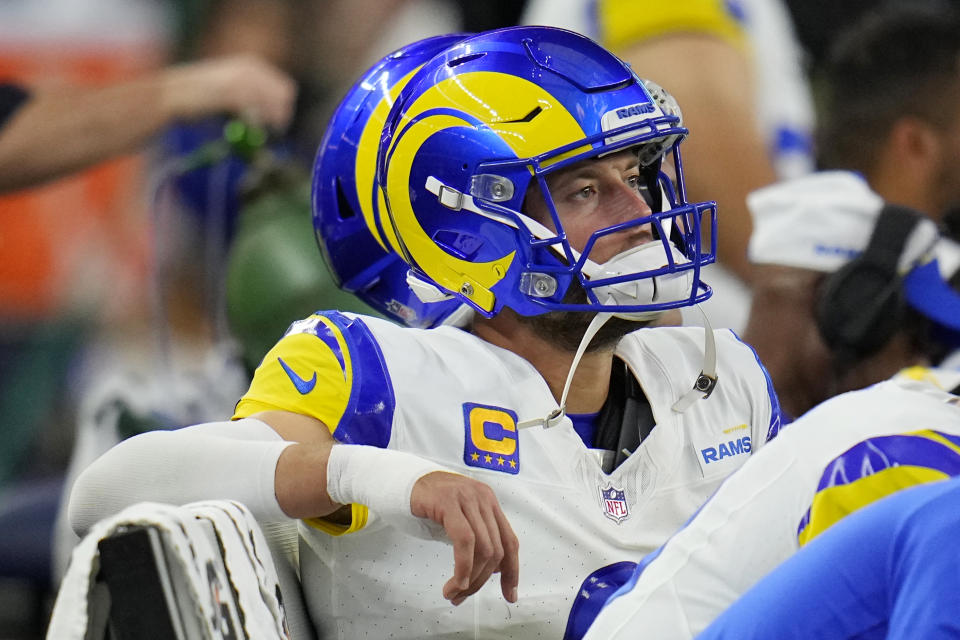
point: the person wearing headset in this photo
(516, 172)
(889, 132)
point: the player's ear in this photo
(915, 143)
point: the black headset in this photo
(861, 305)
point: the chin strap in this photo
(703, 386)
(555, 416)
(706, 382)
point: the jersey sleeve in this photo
(329, 367)
(875, 468)
(619, 23)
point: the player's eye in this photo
(584, 193)
(640, 185)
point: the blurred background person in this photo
(889, 132)
(86, 92)
(817, 23)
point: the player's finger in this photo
(488, 551)
(510, 564)
(463, 538)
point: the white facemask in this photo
(669, 287)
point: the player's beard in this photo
(566, 328)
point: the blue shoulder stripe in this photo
(875, 454)
(608, 583)
(368, 418)
(595, 593)
(776, 415)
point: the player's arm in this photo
(330, 401)
(58, 131)
(717, 94)
(296, 469)
(483, 541)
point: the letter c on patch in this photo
(492, 430)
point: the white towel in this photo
(818, 222)
(249, 567)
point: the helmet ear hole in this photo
(344, 209)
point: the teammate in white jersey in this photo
(844, 454)
(890, 571)
(517, 172)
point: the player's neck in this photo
(898, 353)
(591, 382)
(912, 187)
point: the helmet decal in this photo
(368, 193)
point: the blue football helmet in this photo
(490, 117)
(347, 202)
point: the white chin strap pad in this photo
(670, 287)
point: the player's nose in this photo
(630, 206)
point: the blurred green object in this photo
(275, 274)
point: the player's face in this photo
(591, 195)
(594, 194)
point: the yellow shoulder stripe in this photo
(832, 504)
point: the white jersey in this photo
(842, 455)
(448, 396)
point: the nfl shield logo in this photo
(614, 504)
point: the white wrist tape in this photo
(382, 480)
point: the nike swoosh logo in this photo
(303, 386)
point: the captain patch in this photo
(490, 438)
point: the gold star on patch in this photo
(500, 460)
(513, 464)
(488, 458)
(474, 456)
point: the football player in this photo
(530, 175)
(844, 454)
(888, 571)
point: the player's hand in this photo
(483, 541)
(242, 85)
